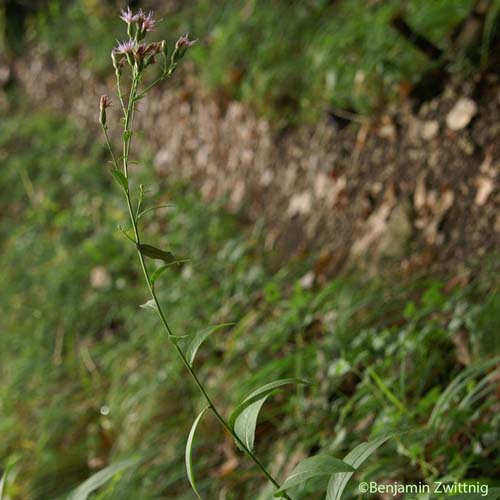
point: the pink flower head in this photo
(127, 47)
(128, 16)
(184, 42)
(146, 22)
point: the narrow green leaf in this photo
(199, 338)
(3, 481)
(150, 304)
(493, 494)
(458, 384)
(158, 272)
(121, 179)
(319, 465)
(189, 449)
(246, 423)
(99, 479)
(355, 458)
(260, 393)
(150, 209)
(155, 253)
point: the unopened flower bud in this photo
(182, 44)
(104, 103)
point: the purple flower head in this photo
(127, 47)
(184, 42)
(146, 22)
(128, 16)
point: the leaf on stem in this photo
(121, 179)
(155, 253)
(158, 272)
(150, 304)
(246, 422)
(189, 450)
(319, 465)
(99, 479)
(150, 209)
(199, 338)
(243, 420)
(355, 458)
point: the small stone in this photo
(461, 114)
(100, 277)
(307, 281)
(484, 189)
(300, 204)
(430, 129)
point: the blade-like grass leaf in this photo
(459, 383)
(199, 338)
(493, 494)
(355, 458)
(319, 465)
(99, 479)
(3, 481)
(189, 455)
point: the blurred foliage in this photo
(291, 60)
(87, 377)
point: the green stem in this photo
(129, 117)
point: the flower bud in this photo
(104, 103)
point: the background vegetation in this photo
(85, 374)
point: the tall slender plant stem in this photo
(129, 111)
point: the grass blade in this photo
(99, 479)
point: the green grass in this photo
(290, 60)
(87, 377)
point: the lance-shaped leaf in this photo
(246, 422)
(319, 465)
(244, 418)
(189, 454)
(99, 479)
(121, 179)
(199, 338)
(355, 458)
(155, 253)
(158, 272)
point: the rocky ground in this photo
(413, 189)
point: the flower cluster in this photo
(135, 52)
(143, 53)
(144, 22)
